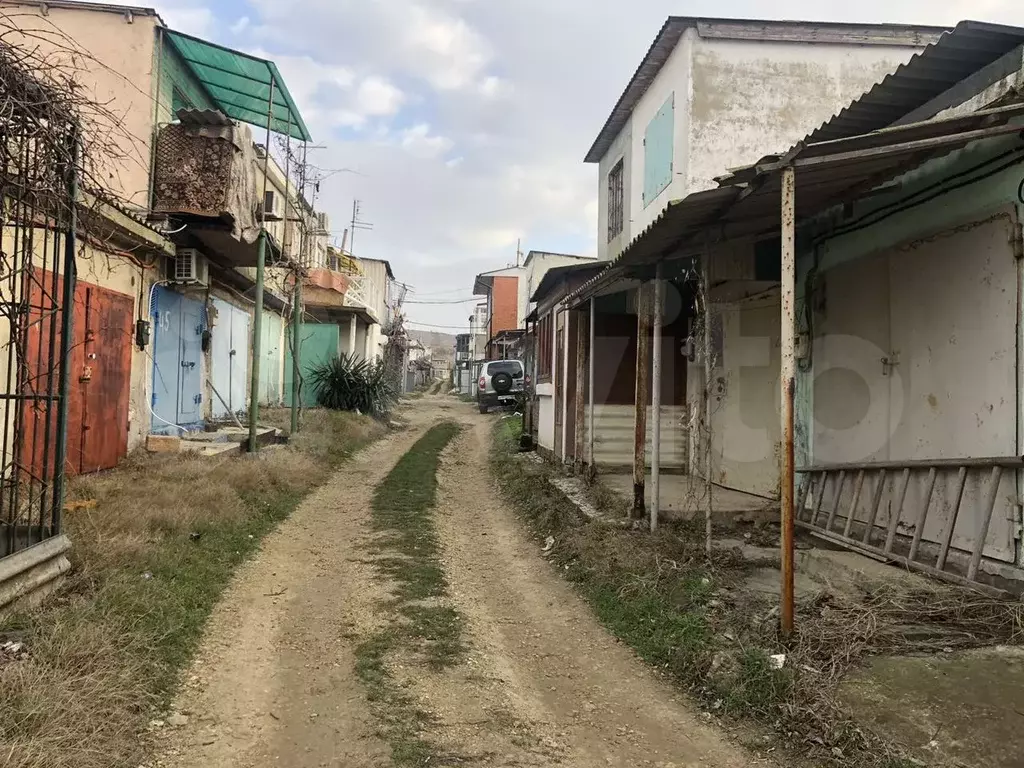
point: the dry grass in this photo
(150, 561)
(693, 620)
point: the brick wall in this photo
(504, 305)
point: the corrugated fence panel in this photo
(613, 439)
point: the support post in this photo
(709, 365)
(658, 312)
(579, 416)
(590, 390)
(642, 394)
(257, 330)
(261, 268)
(296, 350)
(788, 381)
(67, 315)
(352, 335)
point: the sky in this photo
(461, 125)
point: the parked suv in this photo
(501, 382)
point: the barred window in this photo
(616, 194)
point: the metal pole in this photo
(296, 349)
(297, 314)
(579, 414)
(708, 436)
(641, 397)
(659, 303)
(590, 388)
(788, 378)
(67, 310)
(261, 267)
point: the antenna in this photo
(357, 223)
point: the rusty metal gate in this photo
(38, 190)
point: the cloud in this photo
(469, 119)
(419, 142)
(376, 96)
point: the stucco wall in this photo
(121, 77)
(621, 149)
(735, 101)
(754, 98)
(674, 78)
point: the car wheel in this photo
(484, 409)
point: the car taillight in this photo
(482, 383)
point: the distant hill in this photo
(441, 344)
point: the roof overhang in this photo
(827, 174)
(244, 87)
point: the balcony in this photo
(205, 175)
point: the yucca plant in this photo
(347, 383)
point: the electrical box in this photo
(142, 333)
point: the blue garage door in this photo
(177, 362)
(229, 358)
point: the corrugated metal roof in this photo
(555, 274)
(203, 117)
(968, 48)
(826, 174)
(747, 29)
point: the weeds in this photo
(420, 624)
(150, 562)
(692, 620)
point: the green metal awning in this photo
(241, 85)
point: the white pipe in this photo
(590, 388)
(659, 302)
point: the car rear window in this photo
(506, 366)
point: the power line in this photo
(431, 325)
(452, 301)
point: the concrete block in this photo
(163, 444)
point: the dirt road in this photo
(539, 683)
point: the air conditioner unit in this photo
(190, 267)
(268, 209)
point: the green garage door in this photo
(319, 342)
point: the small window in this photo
(616, 195)
(544, 348)
(506, 366)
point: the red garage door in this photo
(100, 379)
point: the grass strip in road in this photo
(150, 561)
(419, 625)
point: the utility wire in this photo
(453, 301)
(431, 325)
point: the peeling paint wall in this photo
(674, 79)
(735, 101)
(621, 149)
(745, 397)
(934, 289)
(755, 98)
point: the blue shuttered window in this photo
(658, 147)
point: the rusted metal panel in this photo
(100, 370)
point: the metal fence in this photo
(38, 193)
